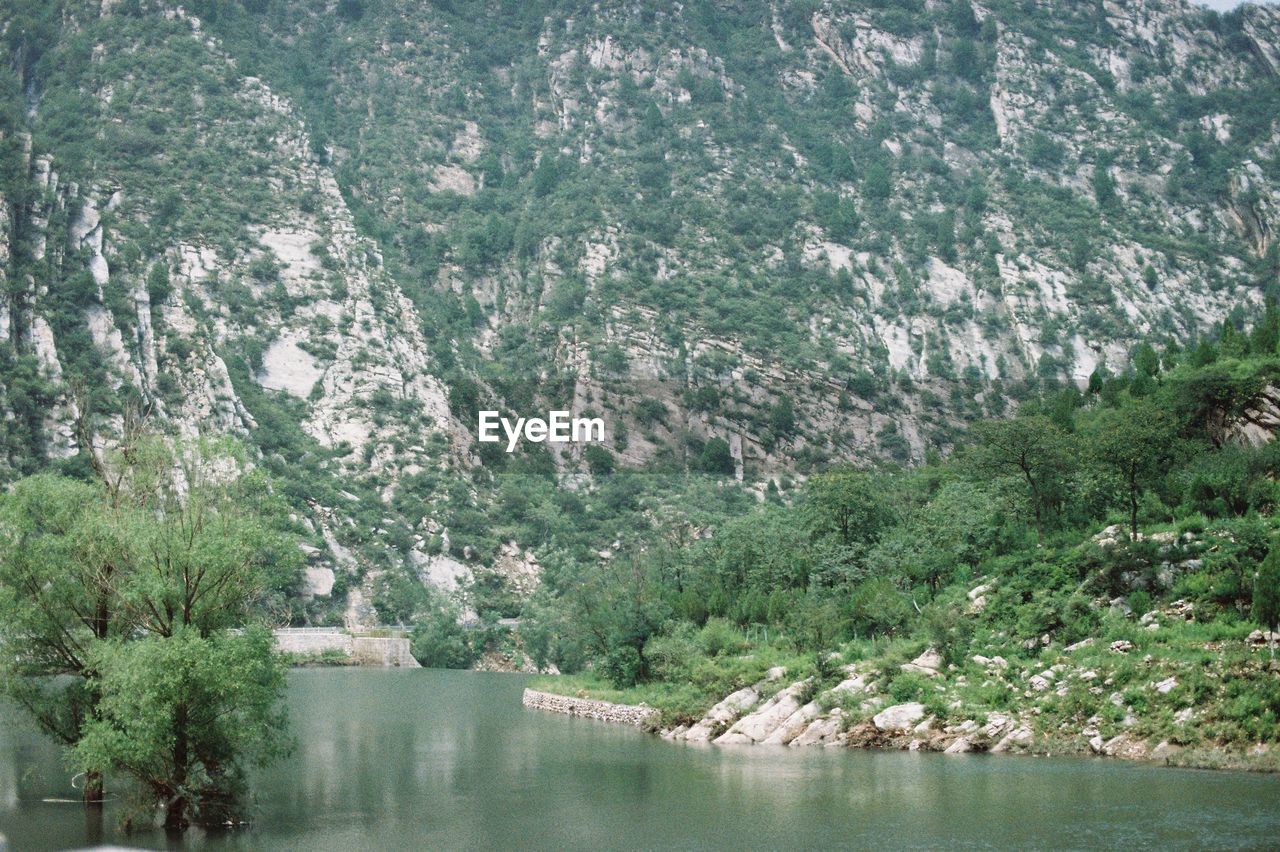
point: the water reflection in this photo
(426, 759)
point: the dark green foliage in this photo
(1266, 594)
(715, 457)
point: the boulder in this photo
(794, 725)
(850, 686)
(978, 598)
(824, 731)
(996, 725)
(960, 746)
(1121, 646)
(929, 663)
(899, 717)
(1167, 685)
(1125, 746)
(1020, 734)
(1262, 637)
(729, 709)
(758, 725)
(1076, 646)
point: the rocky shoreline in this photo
(852, 715)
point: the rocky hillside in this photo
(811, 230)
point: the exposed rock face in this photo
(825, 731)
(930, 212)
(927, 663)
(722, 715)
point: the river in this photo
(427, 759)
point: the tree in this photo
(716, 457)
(57, 600)
(1032, 448)
(1134, 443)
(846, 502)
(438, 640)
(185, 714)
(131, 585)
(1266, 597)
(955, 528)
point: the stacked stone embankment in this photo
(589, 708)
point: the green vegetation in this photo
(120, 603)
(875, 566)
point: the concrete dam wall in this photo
(385, 651)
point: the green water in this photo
(444, 760)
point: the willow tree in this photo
(135, 584)
(57, 601)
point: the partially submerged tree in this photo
(57, 601)
(130, 585)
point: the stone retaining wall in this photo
(589, 708)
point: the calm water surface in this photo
(424, 759)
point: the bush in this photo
(908, 686)
(439, 642)
(671, 656)
(950, 631)
(621, 666)
(719, 637)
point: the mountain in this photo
(802, 231)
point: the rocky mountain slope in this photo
(813, 230)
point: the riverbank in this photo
(1171, 696)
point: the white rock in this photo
(899, 717)
(927, 663)
(824, 731)
(758, 725)
(794, 725)
(729, 709)
(1020, 734)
